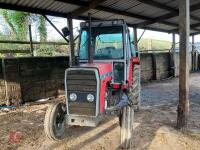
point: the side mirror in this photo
(65, 31)
(133, 42)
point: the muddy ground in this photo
(154, 126)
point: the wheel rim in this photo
(59, 122)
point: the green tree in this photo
(42, 29)
(7, 19)
(18, 23)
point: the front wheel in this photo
(126, 123)
(54, 122)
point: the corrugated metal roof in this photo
(134, 12)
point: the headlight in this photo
(73, 97)
(90, 97)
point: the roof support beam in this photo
(173, 12)
(49, 21)
(192, 27)
(93, 4)
(184, 29)
(196, 33)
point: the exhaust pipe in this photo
(90, 50)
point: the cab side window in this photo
(83, 53)
(133, 50)
(128, 46)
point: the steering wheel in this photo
(100, 51)
(108, 49)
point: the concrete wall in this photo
(155, 66)
(178, 61)
(146, 67)
(30, 79)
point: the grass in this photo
(151, 44)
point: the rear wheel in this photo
(126, 123)
(54, 122)
(134, 90)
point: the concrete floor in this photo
(166, 92)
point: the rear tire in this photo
(54, 122)
(135, 88)
(126, 123)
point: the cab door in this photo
(132, 57)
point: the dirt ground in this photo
(154, 124)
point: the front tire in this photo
(54, 122)
(126, 123)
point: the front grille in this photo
(81, 82)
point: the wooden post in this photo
(5, 81)
(192, 42)
(193, 54)
(184, 31)
(174, 54)
(154, 66)
(51, 23)
(31, 40)
(135, 38)
(71, 40)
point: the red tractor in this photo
(106, 81)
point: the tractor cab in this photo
(110, 43)
(106, 81)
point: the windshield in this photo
(107, 43)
